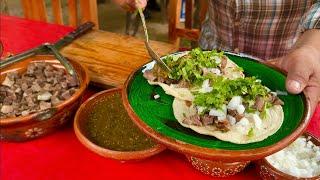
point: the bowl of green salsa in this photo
(103, 126)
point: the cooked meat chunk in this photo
(148, 74)
(7, 82)
(235, 114)
(71, 81)
(193, 120)
(44, 105)
(277, 101)
(188, 103)
(223, 125)
(161, 79)
(223, 62)
(36, 87)
(183, 84)
(42, 86)
(55, 100)
(6, 109)
(259, 103)
(31, 69)
(66, 95)
(25, 112)
(207, 120)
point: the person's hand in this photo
(303, 67)
(131, 5)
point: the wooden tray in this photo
(111, 57)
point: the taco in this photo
(189, 70)
(236, 110)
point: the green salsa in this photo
(109, 126)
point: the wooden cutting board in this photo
(110, 57)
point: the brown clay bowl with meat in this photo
(41, 122)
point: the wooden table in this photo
(111, 57)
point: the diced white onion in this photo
(244, 122)
(241, 109)
(231, 119)
(200, 109)
(45, 96)
(215, 71)
(221, 114)
(205, 87)
(218, 60)
(234, 102)
(157, 96)
(300, 159)
(257, 121)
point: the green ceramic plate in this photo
(156, 117)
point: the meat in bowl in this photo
(40, 87)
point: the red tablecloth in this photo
(61, 156)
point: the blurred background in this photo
(113, 18)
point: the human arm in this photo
(131, 5)
(303, 66)
(303, 61)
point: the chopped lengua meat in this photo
(235, 114)
(259, 103)
(6, 109)
(193, 120)
(7, 82)
(183, 84)
(66, 95)
(207, 120)
(44, 105)
(42, 86)
(278, 101)
(223, 62)
(223, 125)
(188, 103)
(148, 74)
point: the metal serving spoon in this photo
(151, 52)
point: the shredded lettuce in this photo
(189, 67)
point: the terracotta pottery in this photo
(217, 168)
(155, 117)
(38, 124)
(79, 128)
(269, 172)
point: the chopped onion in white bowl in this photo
(299, 159)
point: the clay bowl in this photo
(155, 118)
(82, 135)
(217, 168)
(41, 123)
(267, 171)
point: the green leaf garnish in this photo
(250, 133)
(224, 89)
(190, 67)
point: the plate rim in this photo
(211, 153)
